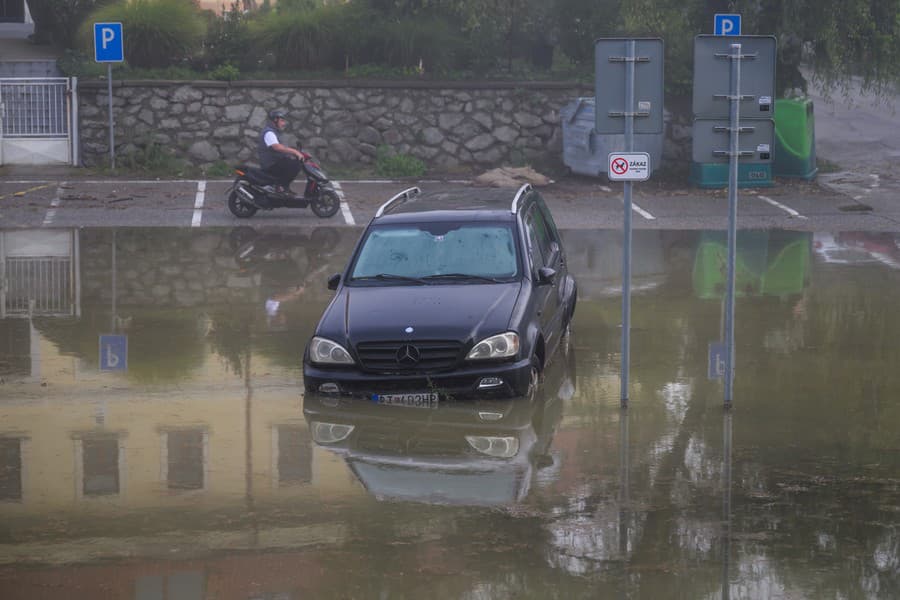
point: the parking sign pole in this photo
(113, 283)
(734, 154)
(109, 48)
(626, 251)
(112, 143)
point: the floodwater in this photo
(155, 442)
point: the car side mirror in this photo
(333, 281)
(546, 275)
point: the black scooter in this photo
(254, 190)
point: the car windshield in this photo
(426, 253)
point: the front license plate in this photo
(413, 400)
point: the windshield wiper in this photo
(388, 277)
(461, 276)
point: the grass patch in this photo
(219, 169)
(391, 164)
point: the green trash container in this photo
(795, 139)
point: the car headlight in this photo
(496, 447)
(329, 433)
(497, 346)
(326, 352)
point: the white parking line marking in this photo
(345, 208)
(786, 209)
(642, 212)
(54, 204)
(198, 204)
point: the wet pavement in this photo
(155, 441)
(837, 201)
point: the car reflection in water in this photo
(466, 452)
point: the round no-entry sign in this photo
(628, 166)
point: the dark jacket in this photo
(267, 156)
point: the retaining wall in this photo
(448, 125)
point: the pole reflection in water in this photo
(624, 483)
(726, 502)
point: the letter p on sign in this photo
(108, 43)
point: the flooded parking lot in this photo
(155, 442)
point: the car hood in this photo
(446, 312)
(503, 483)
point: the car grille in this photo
(408, 357)
(394, 443)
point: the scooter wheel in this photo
(238, 207)
(325, 204)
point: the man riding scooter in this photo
(278, 160)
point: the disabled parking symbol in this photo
(113, 353)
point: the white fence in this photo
(39, 273)
(38, 121)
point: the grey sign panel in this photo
(712, 76)
(712, 141)
(610, 60)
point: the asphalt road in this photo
(853, 131)
(860, 203)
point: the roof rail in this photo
(521, 193)
(404, 195)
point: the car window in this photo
(548, 219)
(545, 241)
(534, 247)
(478, 249)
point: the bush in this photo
(228, 39)
(390, 164)
(338, 36)
(405, 42)
(157, 33)
(153, 157)
(309, 39)
(226, 72)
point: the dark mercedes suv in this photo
(448, 294)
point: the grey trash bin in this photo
(586, 152)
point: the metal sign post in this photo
(716, 113)
(109, 48)
(628, 166)
(733, 155)
(626, 255)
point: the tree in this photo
(839, 39)
(57, 21)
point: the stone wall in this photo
(189, 268)
(340, 123)
(448, 125)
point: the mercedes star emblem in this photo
(408, 355)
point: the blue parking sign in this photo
(727, 24)
(113, 353)
(716, 364)
(108, 44)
